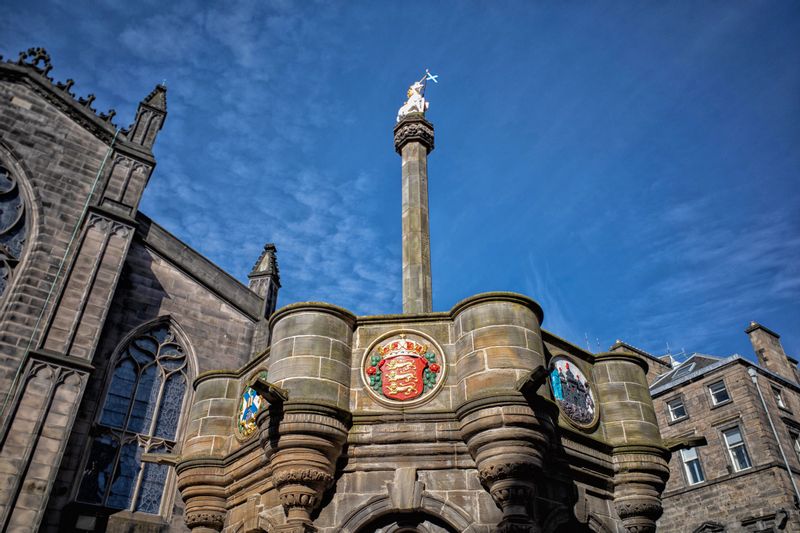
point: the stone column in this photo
(413, 140)
(640, 459)
(303, 438)
(499, 343)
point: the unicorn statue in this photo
(416, 97)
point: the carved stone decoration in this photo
(403, 369)
(508, 441)
(413, 127)
(202, 486)
(38, 58)
(12, 226)
(205, 519)
(302, 442)
(640, 473)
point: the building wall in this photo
(218, 336)
(726, 496)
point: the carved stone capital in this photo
(413, 127)
(491, 473)
(213, 520)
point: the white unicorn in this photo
(416, 100)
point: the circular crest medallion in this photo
(403, 369)
(572, 392)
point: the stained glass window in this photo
(12, 226)
(140, 414)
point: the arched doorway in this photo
(416, 522)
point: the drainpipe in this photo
(753, 373)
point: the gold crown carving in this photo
(403, 347)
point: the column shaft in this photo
(417, 294)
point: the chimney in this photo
(769, 351)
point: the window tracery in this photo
(12, 226)
(140, 414)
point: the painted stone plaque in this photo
(572, 391)
(403, 370)
(249, 407)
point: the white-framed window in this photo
(778, 394)
(692, 466)
(737, 450)
(141, 410)
(677, 410)
(719, 393)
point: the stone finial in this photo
(157, 99)
(265, 278)
(38, 58)
(149, 117)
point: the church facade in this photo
(148, 390)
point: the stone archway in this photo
(433, 516)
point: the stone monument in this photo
(468, 420)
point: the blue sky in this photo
(632, 166)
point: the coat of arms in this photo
(572, 391)
(403, 369)
(249, 406)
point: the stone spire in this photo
(265, 279)
(413, 140)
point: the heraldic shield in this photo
(403, 369)
(401, 376)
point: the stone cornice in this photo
(512, 297)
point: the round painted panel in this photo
(572, 392)
(403, 370)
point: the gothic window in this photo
(140, 414)
(12, 226)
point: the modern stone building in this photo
(150, 391)
(745, 478)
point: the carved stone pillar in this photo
(302, 447)
(202, 486)
(640, 473)
(413, 140)
(508, 442)
(499, 342)
(303, 437)
(639, 456)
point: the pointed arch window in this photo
(12, 226)
(140, 414)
